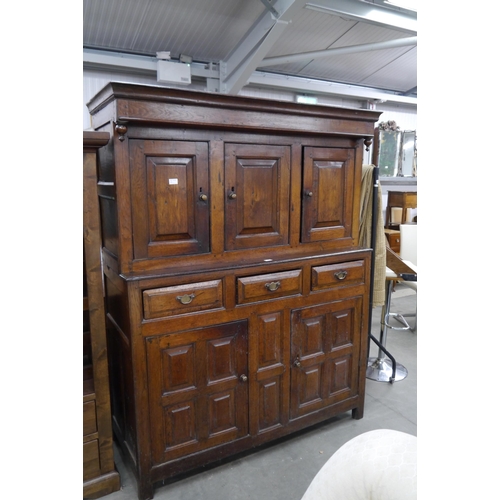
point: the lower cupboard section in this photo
(285, 352)
(204, 394)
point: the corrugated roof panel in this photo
(401, 73)
(209, 30)
(310, 31)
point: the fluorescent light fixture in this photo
(306, 99)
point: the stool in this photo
(384, 367)
(399, 199)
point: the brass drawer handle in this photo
(273, 286)
(203, 197)
(341, 275)
(185, 299)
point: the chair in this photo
(379, 464)
(384, 367)
(408, 254)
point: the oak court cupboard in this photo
(237, 295)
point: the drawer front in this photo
(89, 418)
(337, 275)
(394, 242)
(91, 462)
(269, 286)
(182, 299)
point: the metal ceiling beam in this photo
(367, 12)
(114, 61)
(312, 87)
(353, 49)
(245, 58)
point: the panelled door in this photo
(327, 197)
(324, 353)
(257, 182)
(198, 389)
(170, 198)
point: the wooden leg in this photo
(145, 490)
(357, 413)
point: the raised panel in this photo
(220, 359)
(180, 425)
(270, 339)
(342, 328)
(340, 375)
(257, 195)
(310, 387)
(312, 336)
(170, 198)
(168, 216)
(259, 182)
(270, 397)
(327, 209)
(178, 368)
(221, 412)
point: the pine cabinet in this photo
(236, 290)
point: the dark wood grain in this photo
(99, 474)
(230, 320)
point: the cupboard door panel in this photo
(271, 397)
(168, 216)
(257, 195)
(328, 184)
(197, 397)
(325, 341)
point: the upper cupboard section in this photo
(184, 204)
(192, 178)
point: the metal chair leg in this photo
(381, 368)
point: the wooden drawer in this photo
(91, 462)
(394, 239)
(182, 299)
(338, 275)
(89, 418)
(269, 286)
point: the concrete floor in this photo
(283, 471)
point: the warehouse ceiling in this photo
(362, 48)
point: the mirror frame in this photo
(388, 148)
(411, 151)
